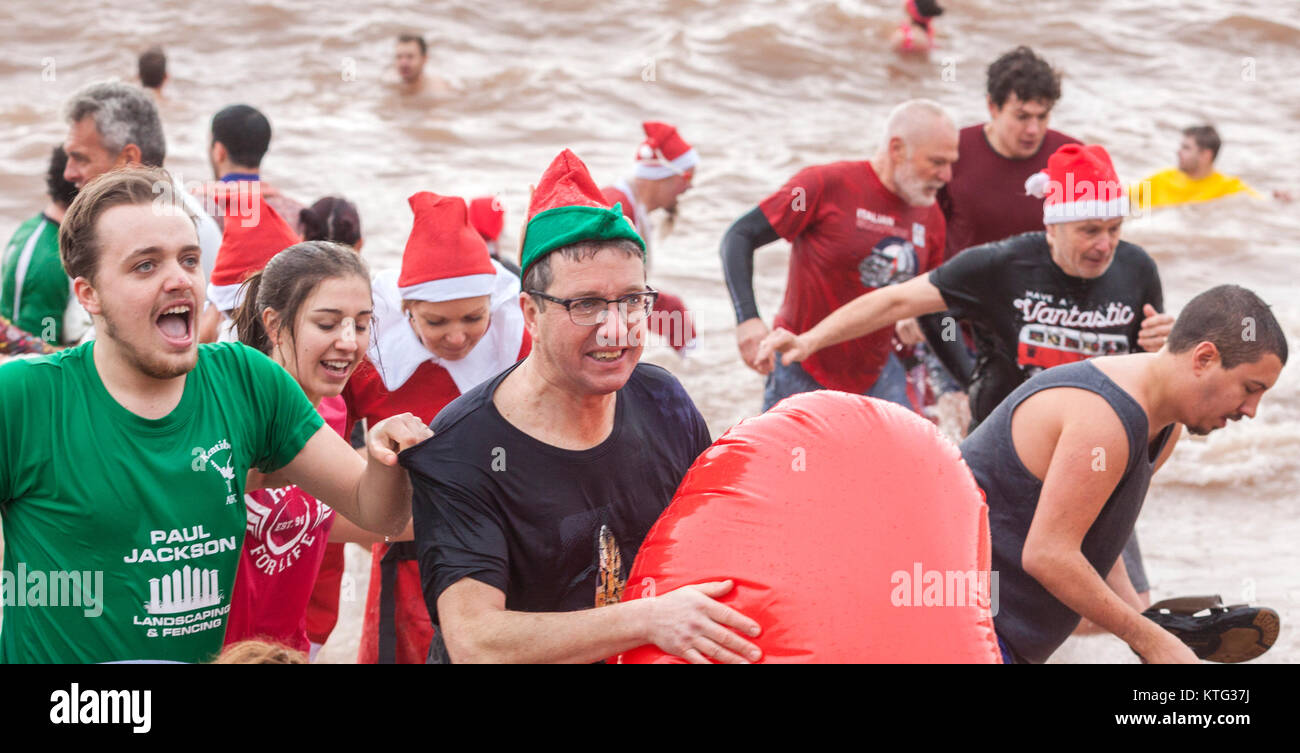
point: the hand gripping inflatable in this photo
(854, 532)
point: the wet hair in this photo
(1206, 138)
(245, 133)
(1025, 74)
(153, 67)
(333, 218)
(260, 652)
(78, 236)
(539, 276)
(928, 8)
(286, 282)
(123, 115)
(59, 190)
(1240, 325)
(404, 38)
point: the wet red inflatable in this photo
(853, 531)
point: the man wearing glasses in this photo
(539, 486)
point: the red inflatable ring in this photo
(853, 531)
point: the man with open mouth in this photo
(130, 454)
(541, 483)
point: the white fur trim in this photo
(451, 288)
(396, 351)
(225, 297)
(1036, 185)
(1074, 211)
(660, 167)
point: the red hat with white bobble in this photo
(1079, 183)
(664, 153)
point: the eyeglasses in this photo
(588, 312)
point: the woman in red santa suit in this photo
(447, 320)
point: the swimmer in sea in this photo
(409, 59)
(916, 34)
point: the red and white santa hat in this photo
(664, 153)
(445, 257)
(487, 216)
(1079, 183)
(252, 233)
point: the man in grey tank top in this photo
(1065, 461)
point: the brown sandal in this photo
(1226, 634)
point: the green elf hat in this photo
(566, 208)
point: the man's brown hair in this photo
(1205, 137)
(78, 237)
(419, 40)
(1240, 325)
(153, 68)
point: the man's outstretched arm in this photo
(867, 313)
(374, 493)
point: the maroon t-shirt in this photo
(849, 235)
(986, 201)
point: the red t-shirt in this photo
(839, 218)
(986, 201)
(283, 548)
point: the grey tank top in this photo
(1029, 619)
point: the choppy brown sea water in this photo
(761, 89)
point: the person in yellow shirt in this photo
(1195, 178)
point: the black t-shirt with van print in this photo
(1029, 315)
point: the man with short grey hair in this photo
(853, 227)
(111, 125)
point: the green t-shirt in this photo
(35, 290)
(142, 519)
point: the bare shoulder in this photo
(1065, 419)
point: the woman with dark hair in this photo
(920, 20)
(332, 218)
(310, 310)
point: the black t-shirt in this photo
(556, 530)
(1029, 315)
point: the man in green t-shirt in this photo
(125, 459)
(35, 293)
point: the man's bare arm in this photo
(867, 313)
(375, 493)
(1075, 488)
(477, 627)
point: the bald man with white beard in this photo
(853, 226)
